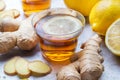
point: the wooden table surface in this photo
(111, 62)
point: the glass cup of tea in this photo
(58, 30)
(31, 6)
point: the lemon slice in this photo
(60, 25)
(112, 38)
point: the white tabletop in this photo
(111, 63)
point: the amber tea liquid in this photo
(30, 6)
(58, 37)
(58, 50)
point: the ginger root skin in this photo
(7, 42)
(16, 33)
(8, 23)
(26, 35)
(88, 64)
(69, 72)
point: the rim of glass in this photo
(80, 29)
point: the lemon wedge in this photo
(112, 38)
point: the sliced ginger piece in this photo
(21, 66)
(9, 67)
(39, 68)
(11, 13)
(2, 5)
(24, 79)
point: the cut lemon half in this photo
(112, 38)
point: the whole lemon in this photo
(83, 6)
(103, 14)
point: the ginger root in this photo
(2, 5)
(89, 64)
(14, 33)
(8, 21)
(8, 24)
(26, 35)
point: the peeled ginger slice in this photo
(21, 66)
(39, 68)
(9, 67)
